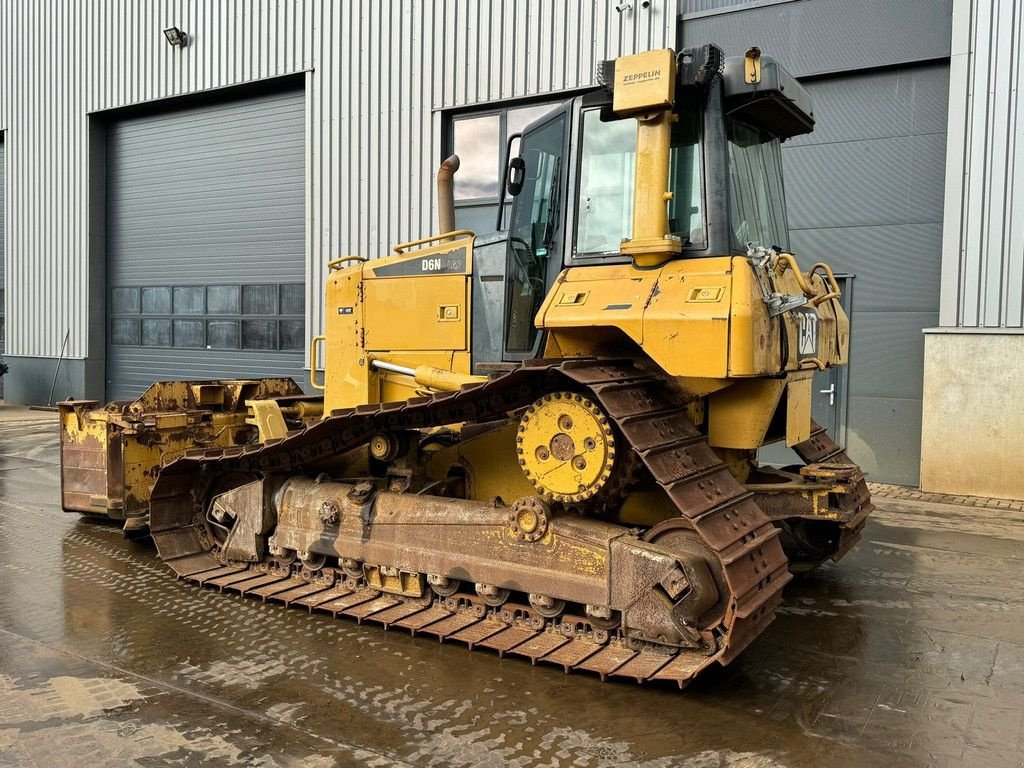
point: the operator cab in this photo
(572, 186)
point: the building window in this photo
(479, 139)
(251, 317)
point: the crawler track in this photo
(653, 420)
(822, 449)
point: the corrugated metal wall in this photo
(816, 37)
(864, 193)
(379, 75)
(692, 7)
(983, 237)
(3, 240)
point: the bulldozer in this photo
(544, 441)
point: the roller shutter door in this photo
(205, 243)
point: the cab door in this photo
(538, 183)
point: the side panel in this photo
(411, 309)
(698, 318)
(416, 313)
(686, 325)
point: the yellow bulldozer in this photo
(544, 441)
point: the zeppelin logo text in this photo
(641, 77)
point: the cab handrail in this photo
(434, 238)
(336, 263)
(313, 364)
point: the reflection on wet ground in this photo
(911, 652)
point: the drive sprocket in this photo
(566, 447)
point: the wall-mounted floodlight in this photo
(176, 37)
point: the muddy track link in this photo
(819, 448)
(651, 417)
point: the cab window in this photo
(604, 213)
(757, 201)
(532, 235)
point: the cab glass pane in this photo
(475, 142)
(607, 172)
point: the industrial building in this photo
(174, 178)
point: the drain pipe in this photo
(446, 195)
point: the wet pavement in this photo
(910, 652)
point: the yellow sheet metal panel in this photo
(679, 313)
(346, 369)
(798, 409)
(755, 347)
(610, 295)
(644, 81)
(739, 416)
(416, 313)
(686, 322)
(411, 309)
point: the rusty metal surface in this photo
(855, 505)
(648, 411)
(110, 455)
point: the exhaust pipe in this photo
(446, 194)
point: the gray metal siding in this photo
(207, 195)
(983, 240)
(864, 192)
(378, 76)
(3, 241)
(704, 7)
(814, 37)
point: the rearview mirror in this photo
(516, 176)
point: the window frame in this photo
(570, 114)
(238, 319)
(574, 259)
(552, 101)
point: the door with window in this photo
(480, 139)
(534, 250)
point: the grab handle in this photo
(434, 238)
(336, 263)
(833, 285)
(313, 364)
